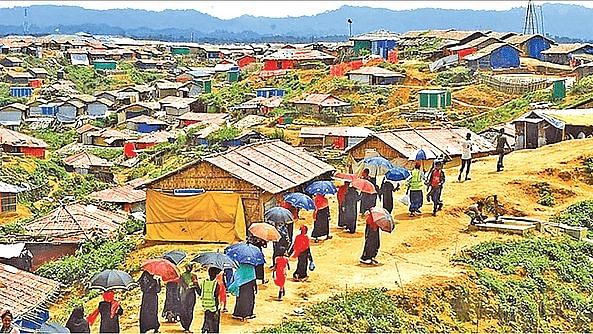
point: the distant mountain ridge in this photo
(560, 19)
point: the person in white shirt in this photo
(466, 157)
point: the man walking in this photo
(501, 143)
(436, 180)
(466, 157)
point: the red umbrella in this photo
(345, 177)
(163, 268)
(264, 231)
(364, 185)
(382, 218)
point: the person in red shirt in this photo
(295, 216)
(280, 272)
(341, 195)
(436, 179)
(321, 216)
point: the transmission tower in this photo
(25, 23)
(531, 25)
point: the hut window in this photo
(9, 202)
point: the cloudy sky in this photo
(231, 9)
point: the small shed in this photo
(286, 59)
(318, 104)
(87, 163)
(38, 72)
(258, 105)
(338, 137)
(374, 75)
(434, 99)
(145, 124)
(179, 50)
(68, 111)
(537, 128)
(379, 42)
(9, 197)
(136, 109)
(258, 173)
(531, 45)
(245, 60)
(167, 88)
(12, 115)
(126, 197)
(563, 53)
(16, 255)
(20, 144)
(177, 106)
(190, 118)
(103, 64)
(18, 78)
(495, 56)
(11, 61)
(84, 129)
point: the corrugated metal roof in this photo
(520, 39)
(342, 131)
(22, 292)
(9, 188)
(17, 139)
(438, 140)
(121, 194)
(380, 34)
(375, 70)
(15, 105)
(298, 54)
(85, 160)
(76, 223)
(272, 166)
(324, 100)
(564, 48)
(210, 118)
(146, 120)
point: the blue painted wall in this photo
(382, 47)
(146, 128)
(21, 91)
(535, 46)
(504, 57)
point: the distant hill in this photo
(572, 21)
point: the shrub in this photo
(455, 75)
(546, 197)
(578, 214)
(107, 153)
(583, 86)
(56, 140)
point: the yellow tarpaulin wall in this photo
(211, 216)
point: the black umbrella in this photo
(175, 256)
(112, 279)
(52, 327)
(215, 259)
(278, 215)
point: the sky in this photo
(232, 9)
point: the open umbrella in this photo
(245, 254)
(345, 177)
(382, 218)
(112, 279)
(264, 231)
(321, 187)
(364, 185)
(397, 174)
(300, 200)
(52, 328)
(215, 259)
(162, 268)
(175, 256)
(422, 154)
(278, 215)
(380, 164)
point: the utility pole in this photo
(530, 26)
(349, 27)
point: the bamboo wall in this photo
(383, 149)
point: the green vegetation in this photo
(392, 67)
(55, 140)
(107, 153)
(583, 86)
(236, 93)
(224, 133)
(546, 197)
(588, 169)
(139, 77)
(5, 97)
(578, 214)
(88, 81)
(94, 257)
(455, 75)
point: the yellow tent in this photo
(211, 217)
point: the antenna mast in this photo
(25, 23)
(531, 25)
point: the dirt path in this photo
(420, 247)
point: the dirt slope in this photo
(418, 250)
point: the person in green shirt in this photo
(209, 298)
(415, 183)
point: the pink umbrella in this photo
(364, 185)
(382, 218)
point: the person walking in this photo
(301, 250)
(367, 200)
(244, 287)
(281, 245)
(341, 196)
(76, 322)
(149, 306)
(110, 310)
(466, 157)
(321, 216)
(349, 207)
(210, 302)
(171, 310)
(260, 273)
(188, 284)
(280, 272)
(386, 194)
(415, 184)
(371, 241)
(7, 326)
(436, 179)
(501, 144)
(220, 279)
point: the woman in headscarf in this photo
(281, 245)
(386, 193)
(349, 209)
(302, 251)
(371, 241)
(280, 272)
(321, 216)
(188, 284)
(77, 323)
(367, 200)
(210, 302)
(341, 196)
(244, 287)
(222, 284)
(7, 326)
(260, 273)
(172, 307)
(110, 311)
(415, 183)
(149, 306)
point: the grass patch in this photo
(578, 214)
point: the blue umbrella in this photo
(397, 174)
(378, 162)
(321, 187)
(300, 200)
(422, 154)
(216, 260)
(245, 254)
(278, 215)
(52, 328)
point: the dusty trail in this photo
(420, 247)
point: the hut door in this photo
(531, 137)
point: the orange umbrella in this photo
(364, 185)
(264, 231)
(162, 268)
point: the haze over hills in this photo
(560, 20)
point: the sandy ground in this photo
(419, 249)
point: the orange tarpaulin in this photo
(211, 217)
